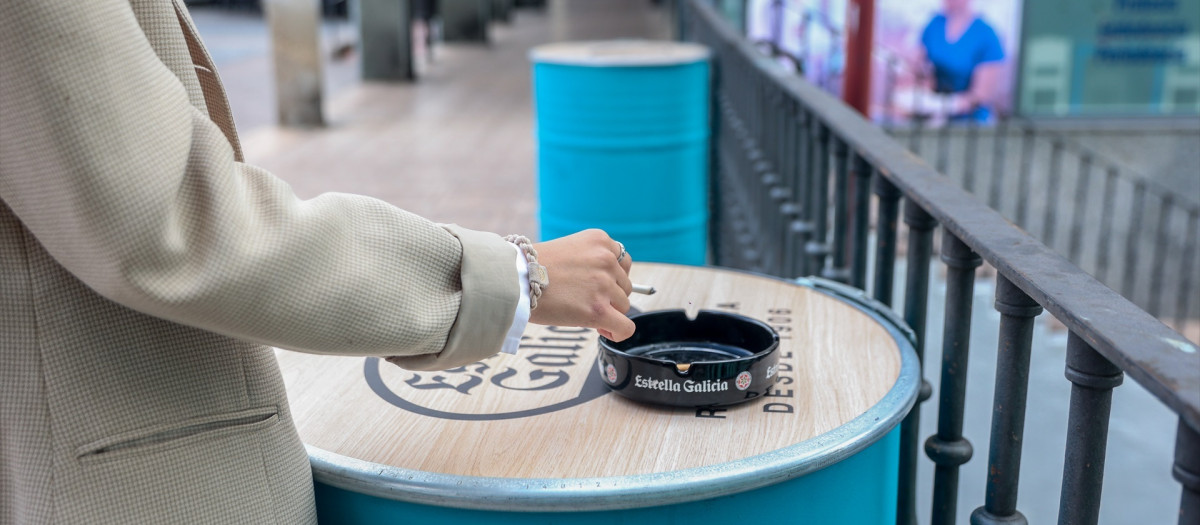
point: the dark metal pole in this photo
(1093, 379)
(947, 448)
(801, 226)
(885, 239)
(916, 132)
(1187, 471)
(1132, 238)
(836, 268)
(916, 298)
(998, 152)
(862, 217)
(943, 149)
(817, 249)
(1050, 220)
(1081, 199)
(1161, 245)
(1028, 148)
(722, 135)
(1105, 230)
(970, 156)
(1185, 269)
(1017, 312)
(889, 87)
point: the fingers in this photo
(615, 326)
(624, 283)
(620, 298)
(591, 284)
(618, 249)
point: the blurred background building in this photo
(1088, 109)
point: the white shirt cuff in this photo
(521, 317)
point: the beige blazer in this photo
(144, 270)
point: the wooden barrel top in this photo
(545, 412)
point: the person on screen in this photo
(965, 56)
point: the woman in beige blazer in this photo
(145, 271)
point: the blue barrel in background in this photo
(623, 138)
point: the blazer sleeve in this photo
(137, 194)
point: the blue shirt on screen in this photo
(954, 62)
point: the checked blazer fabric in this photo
(146, 272)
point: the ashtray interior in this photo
(711, 336)
(690, 352)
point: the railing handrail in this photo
(1019, 124)
(1157, 357)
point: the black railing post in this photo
(998, 153)
(1017, 313)
(800, 228)
(817, 249)
(943, 148)
(1187, 471)
(835, 269)
(947, 448)
(1081, 198)
(1132, 240)
(1185, 269)
(1050, 218)
(1102, 244)
(862, 218)
(1161, 245)
(1093, 379)
(916, 130)
(718, 127)
(885, 239)
(1028, 149)
(916, 298)
(970, 156)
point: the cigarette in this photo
(644, 289)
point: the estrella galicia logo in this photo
(554, 370)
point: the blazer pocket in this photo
(163, 437)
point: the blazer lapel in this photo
(215, 100)
(160, 23)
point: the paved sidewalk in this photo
(456, 146)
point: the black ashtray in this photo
(716, 359)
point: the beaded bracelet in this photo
(538, 279)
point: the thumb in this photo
(615, 326)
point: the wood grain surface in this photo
(545, 413)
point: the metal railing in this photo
(794, 171)
(1137, 236)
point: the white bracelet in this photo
(538, 279)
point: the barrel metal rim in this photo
(644, 490)
(620, 53)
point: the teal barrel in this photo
(860, 489)
(539, 438)
(623, 134)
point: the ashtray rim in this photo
(708, 383)
(608, 344)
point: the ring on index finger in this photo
(621, 257)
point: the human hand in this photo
(588, 286)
